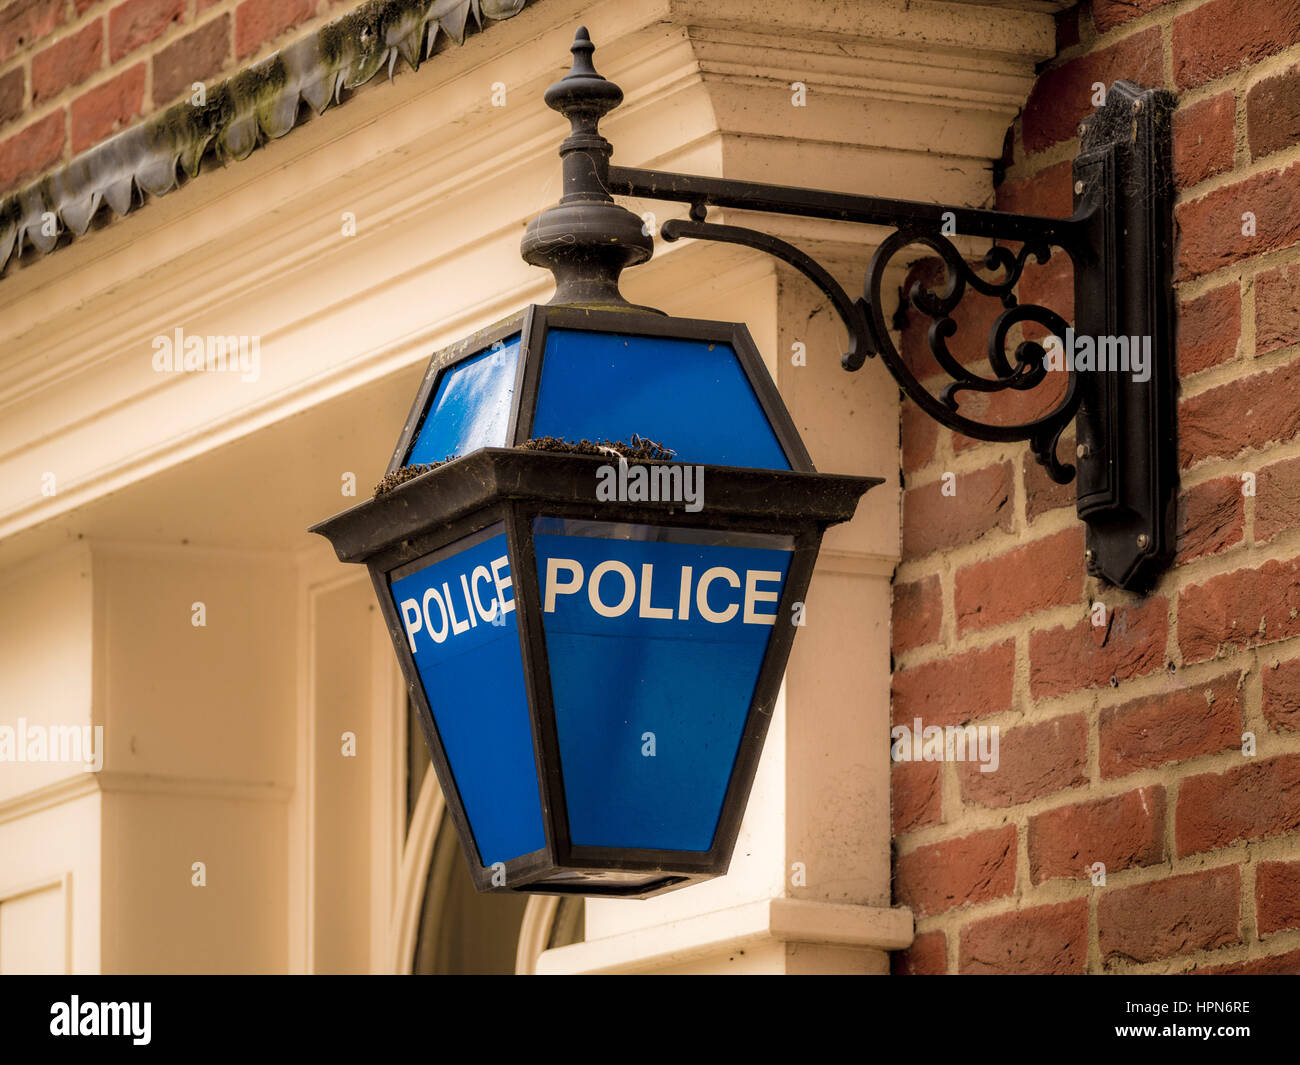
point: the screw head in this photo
(1083, 451)
(1083, 128)
(1089, 556)
(1137, 106)
(1078, 187)
(1144, 541)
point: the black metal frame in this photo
(1119, 240)
(535, 322)
(508, 487)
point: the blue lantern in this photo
(595, 642)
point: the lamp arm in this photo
(924, 224)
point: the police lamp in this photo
(595, 634)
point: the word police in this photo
(718, 594)
(460, 609)
(565, 576)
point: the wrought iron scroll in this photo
(1029, 369)
(869, 332)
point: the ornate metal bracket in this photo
(1116, 362)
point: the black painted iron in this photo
(1118, 239)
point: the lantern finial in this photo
(586, 240)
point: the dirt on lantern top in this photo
(638, 450)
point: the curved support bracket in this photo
(852, 314)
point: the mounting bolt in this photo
(1089, 556)
(1078, 188)
(1083, 128)
(1137, 106)
(1144, 541)
(1083, 451)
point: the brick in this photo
(1044, 940)
(13, 95)
(135, 23)
(195, 57)
(1209, 328)
(980, 502)
(107, 108)
(1277, 499)
(1273, 113)
(917, 611)
(1277, 896)
(919, 435)
(957, 688)
(1282, 696)
(916, 791)
(31, 150)
(1248, 413)
(1177, 915)
(1277, 965)
(1049, 285)
(1211, 518)
(1171, 727)
(1245, 608)
(927, 956)
(1253, 801)
(68, 62)
(1130, 644)
(1213, 231)
(1010, 407)
(1049, 193)
(24, 21)
(259, 21)
(1204, 142)
(1224, 35)
(1040, 575)
(1277, 308)
(1062, 96)
(1033, 761)
(1042, 494)
(1107, 14)
(1121, 832)
(957, 872)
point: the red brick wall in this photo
(1122, 743)
(74, 72)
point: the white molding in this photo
(54, 794)
(62, 881)
(413, 876)
(129, 783)
(535, 932)
(720, 931)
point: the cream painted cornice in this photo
(441, 184)
(707, 937)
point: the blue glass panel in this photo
(653, 630)
(689, 395)
(459, 616)
(470, 408)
